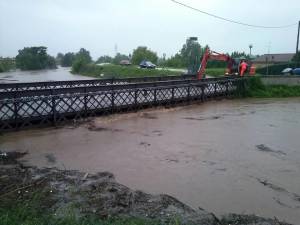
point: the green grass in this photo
(215, 72)
(28, 215)
(33, 210)
(258, 90)
(117, 71)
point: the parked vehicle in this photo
(296, 71)
(287, 71)
(147, 64)
(125, 62)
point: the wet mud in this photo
(100, 195)
(212, 162)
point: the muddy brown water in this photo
(59, 74)
(230, 156)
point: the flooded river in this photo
(61, 73)
(230, 156)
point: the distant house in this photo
(274, 58)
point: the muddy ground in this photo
(99, 194)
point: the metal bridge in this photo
(25, 105)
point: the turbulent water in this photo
(62, 73)
(240, 156)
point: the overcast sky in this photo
(163, 26)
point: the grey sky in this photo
(98, 25)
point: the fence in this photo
(20, 113)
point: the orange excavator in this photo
(233, 65)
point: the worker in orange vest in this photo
(243, 68)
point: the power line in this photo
(233, 21)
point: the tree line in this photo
(189, 56)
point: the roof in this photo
(283, 57)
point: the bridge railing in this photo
(20, 113)
(64, 87)
(84, 83)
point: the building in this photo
(274, 58)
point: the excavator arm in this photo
(214, 56)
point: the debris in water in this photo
(50, 158)
(10, 157)
(264, 148)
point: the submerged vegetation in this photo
(7, 64)
(34, 58)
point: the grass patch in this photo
(258, 90)
(27, 214)
(215, 72)
(33, 211)
(117, 71)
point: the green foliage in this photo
(34, 211)
(104, 59)
(58, 58)
(68, 59)
(175, 61)
(273, 69)
(117, 71)
(215, 72)
(6, 64)
(28, 214)
(78, 65)
(142, 53)
(255, 88)
(237, 54)
(117, 59)
(34, 58)
(81, 60)
(191, 54)
(84, 56)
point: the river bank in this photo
(256, 89)
(53, 196)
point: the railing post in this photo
(85, 102)
(135, 98)
(215, 89)
(202, 92)
(172, 99)
(54, 116)
(155, 97)
(16, 114)
(188, 92)
(227, 88)
(112, 100)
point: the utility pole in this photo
(297, 46)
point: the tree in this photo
(7, 64)
(191, 54)
(81, 59)
(104, 59)
(59, 57)
(34, 58)
(175, 61)
(83, 55)
(142, 53)
(117, 59)
(68, 59)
